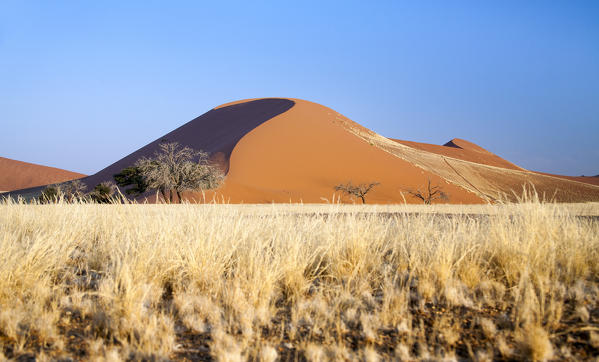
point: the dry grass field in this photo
(305, 282)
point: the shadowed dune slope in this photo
(463, 150)
(15, 175)
(216, 132)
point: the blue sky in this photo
(83, 84)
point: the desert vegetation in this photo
(173, 170)
(342, 282)
(70, 191)
(359, 191)
(430, 193)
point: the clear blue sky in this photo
(85, 83)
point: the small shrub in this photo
(51, 194)
(103, 193)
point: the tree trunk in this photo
(363, 200)
(163, 192)
(179, 196)
(170, 194)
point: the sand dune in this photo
(303, 153)
(487, 180)
(291, 150)
(468, 151)
(15, 175)
(463, 150)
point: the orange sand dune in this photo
(15, 175)
(301, 154)
(291, 150)
(463, 150)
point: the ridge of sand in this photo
(490, 182)
(467, 151)
(593, 180)
(462, 150)
(15, 175)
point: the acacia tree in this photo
(429, 194)
(197, 175)
(177, 169)
(132, 180)
(359, 190)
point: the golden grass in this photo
(321, 282)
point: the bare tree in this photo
(177, 169)
(73, 190)
(197, 175)
(359, 190)
(429, 194)
(154, 175)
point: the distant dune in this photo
(463, 150)
(15, 175)
(292, 150)
(593, 180)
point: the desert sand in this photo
(291, 150)
(15, 175)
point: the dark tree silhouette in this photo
(429, 193)
(131, 176)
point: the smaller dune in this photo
(16, 175)
(463, 150)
